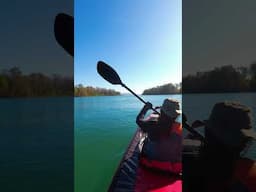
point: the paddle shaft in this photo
(123, 85)
(189, 128)
(194, 132)
(110, 75)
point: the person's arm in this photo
(156, 108)
(141, 122)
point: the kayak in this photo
(132, 176)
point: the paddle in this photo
(110, 75)
(190, 129)
(64, 32)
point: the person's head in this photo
(170, 110)
(229, 126)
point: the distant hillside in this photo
(81, 91)
(163, 89)
(14, 83)
(223, 79)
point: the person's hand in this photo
(148, 105)
(197, 123)
(184, 118)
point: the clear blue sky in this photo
(140, 39)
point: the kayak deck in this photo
(125, 176)
(132, 177)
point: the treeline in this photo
(81, 91)
(15, 84)
(163, 89)
(222, 79)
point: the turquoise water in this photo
(105, 125)
(36, 144)
(37, 138)
(103, 129)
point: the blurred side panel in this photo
(218, 65)
(36, 97)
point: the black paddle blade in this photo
(64, 32)
(108, 73)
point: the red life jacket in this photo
(173, 167)
(244, 176)
(176, 128)
(245, 173)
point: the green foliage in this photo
(81, 91)
(15, 84)
(222, 79)
(163, 89)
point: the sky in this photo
(27, 37)
(140, 39)
(217, 33)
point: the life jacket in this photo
(243, 178)
(172, 166)
(245, 173)
(176, 128)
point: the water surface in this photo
(37, 144)
(103, 129)
(105, 125)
